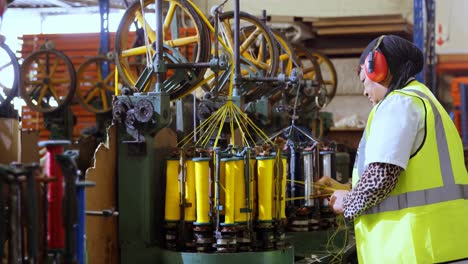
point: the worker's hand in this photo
(327, 185)
(336, 201)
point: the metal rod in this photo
(264, 45)
(104, 213)
(217, 178)
(237, 75)
(216, 49)
(159, 46)
(267, 79)
(188, 65)
(33, 224)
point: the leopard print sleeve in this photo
(377, 181)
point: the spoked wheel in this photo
(288, 60)
(48, 80)
(9, 74)
(185, 40)
(257, 47)
(320, 69)
(96, 84)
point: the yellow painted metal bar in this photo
(105, 104)
(243, 47)
(182, 41)
(169, 16)
(54, 67)
(54, 94)
(116, 83)
(149, 30)
(135, 51)
(91, 95)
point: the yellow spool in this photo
(202, 186)
(190, 195)
(232, 171)
(283, 188)
(172, 209)
(265, 167)
(239, 186)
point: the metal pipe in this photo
(217, 178)
(237, 76)
(216, 49)
(188, 65)
(103, 213)
(308, 169)
(292, 172)
(159, 46)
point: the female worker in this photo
(410, 184)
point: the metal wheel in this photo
(288, 60)
(96, 84)
(328, 71)
(48, 80)
(258, 50)
(182, 44)
(320, 71)
(9, 74)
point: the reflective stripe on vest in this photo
(449, 191)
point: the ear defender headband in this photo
(375, 64)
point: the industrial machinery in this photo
(48, 83)
(226, 192)
(9, 79)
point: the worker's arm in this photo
(327, 185)
(377, 181)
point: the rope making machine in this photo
(226, 188)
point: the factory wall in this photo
(318, 8)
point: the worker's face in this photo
(372, 90)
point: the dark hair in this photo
(404, 59)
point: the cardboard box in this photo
(17, 144)
(9, 140)
(28, 148)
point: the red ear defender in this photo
(375, 64)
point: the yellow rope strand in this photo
(190, 136)
(305, 197)
(337, 256)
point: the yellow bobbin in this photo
(190, 194)
(202, 186)
(265, 167)
(172, 210)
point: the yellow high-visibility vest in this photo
(425, 218)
